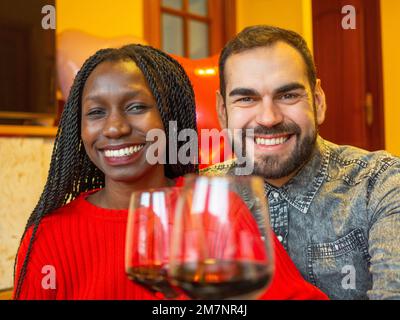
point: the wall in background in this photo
(390, 16)
(24, 164)
(289, 14)
(101, 17)
(285, 14)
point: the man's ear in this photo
(320, 103)
(221, 111)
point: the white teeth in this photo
(122, 152)
(271, 142)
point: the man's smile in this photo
(272, 142)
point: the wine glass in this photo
(148, 239)
(221, 245)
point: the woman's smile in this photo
(118, 155)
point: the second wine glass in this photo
(221, 247)
(148, 239)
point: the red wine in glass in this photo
(221, 247)
(147, 239)
(223, 279)
(153, 278)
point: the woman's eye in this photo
(136, 108)
(96, 112)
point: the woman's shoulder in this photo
(55, 223)
(69, 210)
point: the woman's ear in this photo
(221, 111)
(320, 103)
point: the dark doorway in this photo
(27, 63)
(349, 64)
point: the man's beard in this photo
(276, 167)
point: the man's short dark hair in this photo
(265, 36)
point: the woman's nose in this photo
(117, 125)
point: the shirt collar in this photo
(300, 191)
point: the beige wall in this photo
(390, 13)
(103, 18)
(280, 13)
(24, 164)
(289, 14)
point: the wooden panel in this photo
(28, 131)
(229, 13)
(6, 294)
(339, 56)
(152, 22)
(374, 73)
(349, 65)
(216, 26)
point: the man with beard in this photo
(336, 209)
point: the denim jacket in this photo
(339, 220)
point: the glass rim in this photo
(230, 178)
(152, 190)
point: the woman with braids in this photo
(116, 98)
(73, 244)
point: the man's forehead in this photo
(279, 61)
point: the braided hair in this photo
(71, 171)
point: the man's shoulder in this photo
(352, 161)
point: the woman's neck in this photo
(116, 194)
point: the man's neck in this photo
(278, 183)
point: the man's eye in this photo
(288, 96)
(245, 99)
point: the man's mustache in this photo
(282, 128)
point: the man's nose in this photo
(269, 114)
(117, 125)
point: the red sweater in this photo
(86, 245)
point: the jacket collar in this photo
(300, 191)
